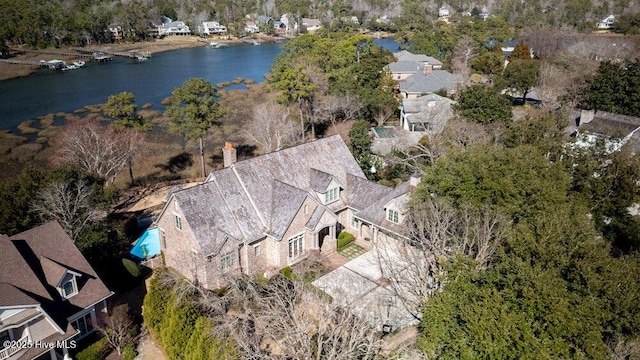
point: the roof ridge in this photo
(233, 215)
(244, 188)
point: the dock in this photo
(133, 54)
(54, 53)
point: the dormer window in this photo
(393, 216)
(68, 286)
(331, 195)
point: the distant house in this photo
(170, 27)
(48, 293)
(251, 27)
(311, 24)
(262, 214)
(606, 23)
(443, 14)
(116, 32)
(616, 128)
(289, 24)
(428, 113)
(212, 28)
(485, 13)
(419, 75)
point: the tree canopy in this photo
(194, 110)
(616, 88)
(483, 105)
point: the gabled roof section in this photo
(291, 166)
(53, 271)
(29, 259)
(361, 193)
(319, 180)
(375, 213)
(287, 201)
(430, 83)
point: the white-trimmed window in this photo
(69, 288)
(331, 195)
(354, 222)
(393, 216)
(228, 261)
(296, 246)
(256, 250)
(83, 324)
(178, 221)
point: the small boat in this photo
(255, 42)
(141, 58)
(69, 67)
(217, 45)
(78, 64)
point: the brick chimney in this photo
(427, 69)
(229, 155)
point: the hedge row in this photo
(179, 326)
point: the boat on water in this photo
(217, 45)
(255, 42)
(69, 67)
(79, 64)
(141, 58)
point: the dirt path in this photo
(149, 350)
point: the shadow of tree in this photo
(177, 163)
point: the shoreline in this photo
(169, 43)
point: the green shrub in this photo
(129, 352)
(131, 267)
(155, 305)
(287, 272)
(96, 351)
(344, 239)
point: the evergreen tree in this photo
(483, 105)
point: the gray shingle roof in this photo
(262, 195)
(375, 213)
(319, 180)
(405, 55)
(430, 109)
(430, 83)
(287, 200)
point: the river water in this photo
(150, 81)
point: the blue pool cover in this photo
(148, 245)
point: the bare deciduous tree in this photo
(116, 328)
(97, 149)
(332, 108)
(551, 84)
(464, 51)
(436, 233)
(283, 319)
(67, 203)
(270, 127)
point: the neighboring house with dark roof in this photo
(616, 128)
(48, 293)
(428, 113)
(260, 215)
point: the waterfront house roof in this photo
(261, 196)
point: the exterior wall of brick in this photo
(179, 244)
(297, 227)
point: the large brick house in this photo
(49, 294)
(262, 214)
